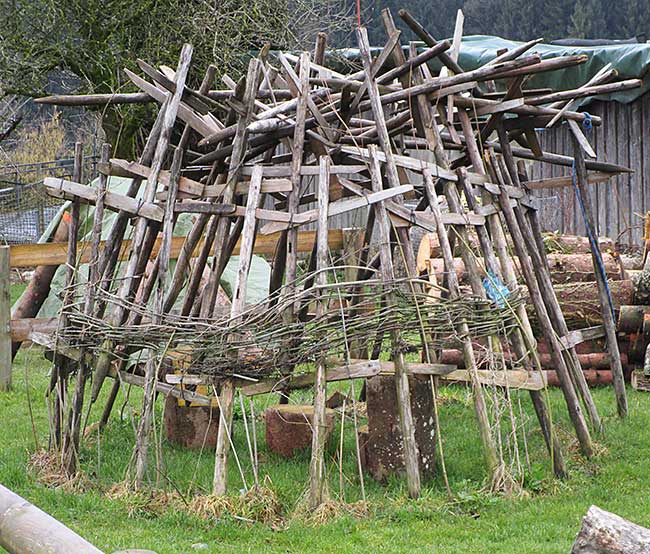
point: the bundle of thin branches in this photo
(261, 342)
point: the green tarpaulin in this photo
(630, 60)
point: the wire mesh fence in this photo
(25, 207)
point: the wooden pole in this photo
(508, 170)
(319, 424)
(73, 430)
(573, 405)
(5, 320)
(25, 529)
(226, 400)
(524, 339)
(236, 160)
(141, 246)
(603, 295)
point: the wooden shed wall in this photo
(623, 138)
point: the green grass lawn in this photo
(543, 521)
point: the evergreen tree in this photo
(635, 19)
(588, 20)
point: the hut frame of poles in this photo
(402, 146)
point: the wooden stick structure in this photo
(292, 144)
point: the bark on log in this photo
(580, 305)
(555, 244)
(606, 533)
(25, 529)
(564, 268)
(594, 377)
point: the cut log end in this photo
(606, 533)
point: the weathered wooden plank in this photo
(645, 152)
(112, 200)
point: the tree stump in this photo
(191, 426)
(383, 443)
(289, 428)
(606, 533)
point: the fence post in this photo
(5, 320)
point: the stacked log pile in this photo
(240, 161)
(573, 278)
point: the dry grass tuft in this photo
(144, 503)
(329, 511)
(49, 471)
(258, 505)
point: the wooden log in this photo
(189, 425)
(595, 377)
(577, 301)
(22, 328)
(564, 268)
(382, 447)
(589, 360)
(53, 254)
(5, 320)
(606, 533)
(25, 529)
(110, 99)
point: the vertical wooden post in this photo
(407, 428)
(608, 316)
(317, 463)
(353, 244)
(226, 401)
(227, 397)
(5, 320)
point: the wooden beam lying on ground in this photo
(30, 255)
(25, 529)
